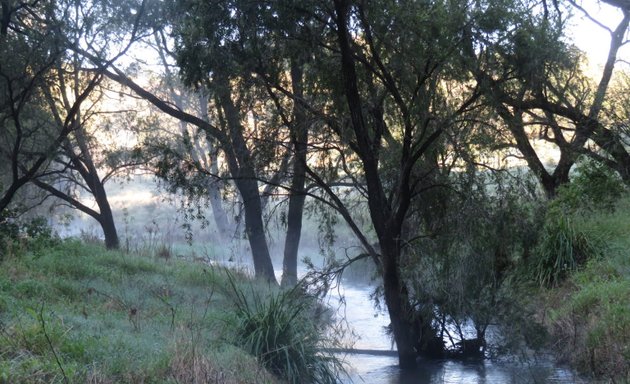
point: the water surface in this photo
(369, 325)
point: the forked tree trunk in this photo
(104, 216)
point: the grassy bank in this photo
(588, 311)
(71, 312)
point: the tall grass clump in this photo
(562, 248)
(280, 328)
(565, 243)
(589, 315)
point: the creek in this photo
(369, 326)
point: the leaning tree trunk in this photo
(87, 169)
(106, 218)
(242, 169)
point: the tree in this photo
(70, 97)
(32, 49)
(250, 152)
(408, 92)
(194, 149)
(535, 83)
(80, 160)
(386, 88)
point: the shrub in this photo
(18, 234)
(562, 248)
(595, 186)
(280, 330)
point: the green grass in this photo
(590, 312)
(76, 313)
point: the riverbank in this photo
(73, 312)
(588, 313)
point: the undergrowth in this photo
(588, 313)
(72, 312)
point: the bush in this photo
(595, 186)
(18, 234)
(562, 248)
(280, 330)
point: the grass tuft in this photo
(280, 329)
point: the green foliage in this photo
(595, 186)
(279, 328)
(483, 231)
(562, 248)
(17, 234)
(564, 245)
(589, 314)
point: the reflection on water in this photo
(384, 370)
(369, 324)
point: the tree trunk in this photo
(294, 227)
(297, 196)
(400, 314)
(106, 217)
(87, 169)
(211, 163)
(109, 230)
(255, 229)
(242, 169)
(218, 212)
(387, 221)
